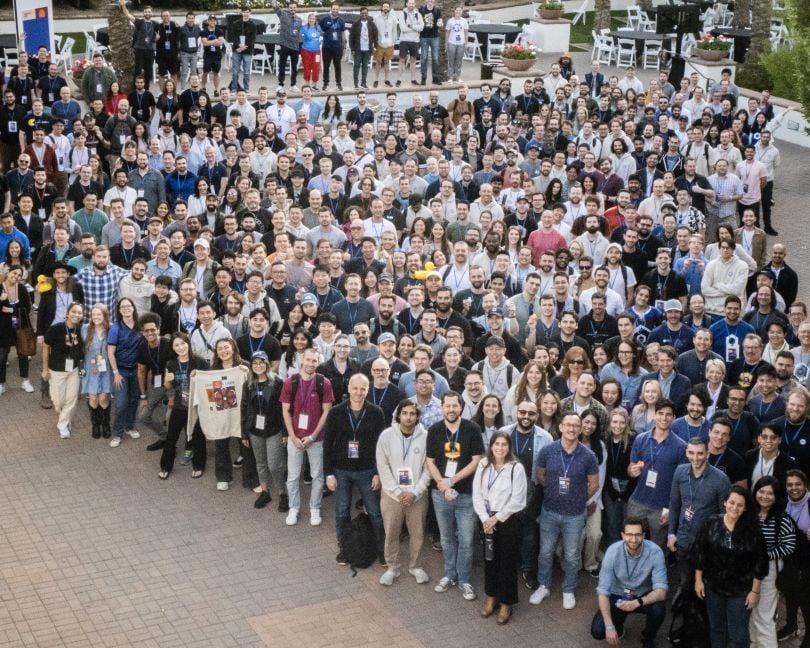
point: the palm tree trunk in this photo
(645, 4)
(601, 14)
(742, 9)
(123, 57)
(760, 29)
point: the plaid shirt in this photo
(391, 117)
(100, 288)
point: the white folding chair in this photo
(634, 17)
(227, 57)
(474, 17)
(11, 56)
(645, 23)
(496, 44)
(603, 49)
(261, 63)
(625, 52)
(472, 50)
(689, 43)
(64, 58)
(651, 58)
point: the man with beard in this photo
(123, 254)
(178, 252)
(448, 317)
(593, 241)
(613, 300)
(148, 183)
(87, 247)
(100, 282)
(647, 242)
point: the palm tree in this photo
(123, 57)
(601, 14)
(760, 29)
(742, 10)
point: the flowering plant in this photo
(709, 42)
(78, 68)
(551, 5)
(519, 52)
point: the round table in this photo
(348, 18)
(484, 30)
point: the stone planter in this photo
(550, 14)
(518, 65)
(710, 55)
(75, 88)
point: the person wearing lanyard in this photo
(262, 425)
(768, 458)
(653, 460)
(258, 338)
(62, 353)
(499, 498)
(698, 491)
(794, 429)
(353, 308)
(528, 439)
(404, 480)
(383, 393)
(153, 354)
(633, 578)
(306, 399)
(766, 405)
(570, 476)
(349, 459)
(122, 348)
(744, 425)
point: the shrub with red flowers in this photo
(716, 43)
(519, 52)
(79, 66)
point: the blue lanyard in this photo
(405, 450)
(322, 303)
(490, 479)
(717, 461)
(353, 318)
(654, 455)
(374, 398)
(795, 436)
(521, 450)
(761, 413)
(627, 564)
(567, 467)
(155, 363)
(356, 425)
(70, 337)
(694, 492)
(258, 347)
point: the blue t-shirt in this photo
(126, 341)
(566, 483)
(685, 431)
(312, 38)
(661, 459)
(333, 29)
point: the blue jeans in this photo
(554, 527)
(728, 620)
(126, 403)
(457, 527)
(360, 70)
(371, 501)
(433, 45)
(614, 518)
(241, 60)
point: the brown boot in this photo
(489, 607)
(503, 614)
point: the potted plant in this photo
(713, 48)
(519, 57)
(550, 10)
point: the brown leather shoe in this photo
(489, 607)
(503, 614)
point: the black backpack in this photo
(690, 623)
(358, 543)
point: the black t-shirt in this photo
(731, 464)
(743, 431)
(248, 345)
(467, 442)
(64, 343)
(155, 359)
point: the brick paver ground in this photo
(96, 551)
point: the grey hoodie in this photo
(392, 447)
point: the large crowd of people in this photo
(532, 324)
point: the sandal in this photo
(196, 474)
(163, 474)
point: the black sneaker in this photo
(376, 84)
(237, 463)
(770, 231)
(530, 579)
(283, 503)
(786, 632)
(340, 87)
(341, 560)
(157, 445)
(388, 83)
(262, 500)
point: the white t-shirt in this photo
(456, 28)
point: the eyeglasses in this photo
(424, 382)
(585, 267)
(576, 362)
(625, 351)
(526, 413)
(380, 370)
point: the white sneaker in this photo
(133, 434)
(388, 577)
(64, 434)
(115, 442)
(443, 585)
(294, 89)
(538, 595)
(292, 517)
(258, 489)
(27, 386)
(569, 601)
(315, 517)
(420, 575)
(2, 389)
(222, 486)
(467, 591)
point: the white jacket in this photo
(410, 26)
(721, 279)
(391, 448)
(386, 28)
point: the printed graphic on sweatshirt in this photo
(221, 395)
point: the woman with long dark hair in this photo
(62, 354)
(489, 416)
(779, 533)
(122, 349)
(797, 594)
(499, 496)
(15, 308)
(97, 380)
(591, 438)
(730, 563)
(618, 486)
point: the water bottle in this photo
(489, 546)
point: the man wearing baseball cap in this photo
(202, 269)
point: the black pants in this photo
(177, 423)
(223, 466)
(333, 56)
(22, 361)
(797, 597)
(655, 613)
(501, 574)
(250, 474)
(767, 197)
(285, 54)
(144, 64)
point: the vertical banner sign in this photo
(34, 18)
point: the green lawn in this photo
(581, 32)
